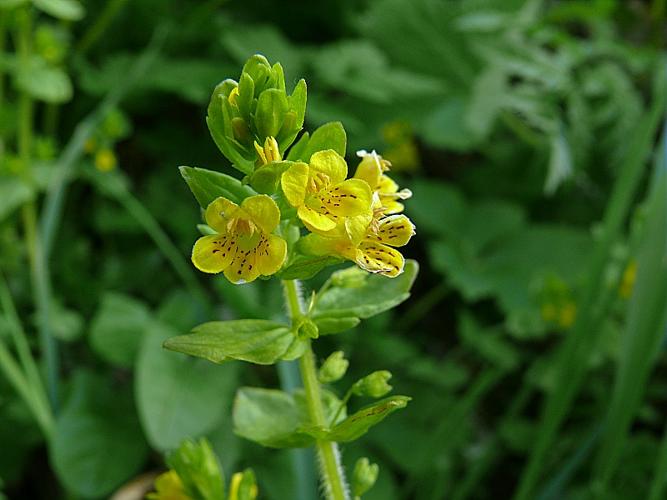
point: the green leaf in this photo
(177, 396)
(328, 136)
(276, 419)
(117, 329)
(207, 185)
(13, 194)
(257, 341)
(270, 113)
(299, 148)
(303, 267)
(67, 10)
(44, 82)
(266, 179)
(327, 326)
(98, 443)
(10, 4)
(357, 424)
(377, 294)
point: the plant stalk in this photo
(331, 471)
(42, 295)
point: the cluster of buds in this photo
(305, 207)
(257, 107)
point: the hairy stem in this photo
(331, 471)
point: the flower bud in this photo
(243, 486)
(307, 329)
(374, 385)
(333, 368)
(364, 476)
(352, 277)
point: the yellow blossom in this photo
(269, 153)
(567, 314)
(367, 241)
(105, 160)
(243, 247)
(372, 169)
(321, 194)
(168, 486)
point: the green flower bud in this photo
(333, 368)
(374, 385)
(307, 329)
(255, 109)
(364, 476)
(198, 468)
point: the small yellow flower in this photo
(168, 486)
(628, 280)
(321, 194)
(269, 153)
(367, 241)
(372, 169)
(567, 314)
(235, 483)
(105, 160)
(243, 247)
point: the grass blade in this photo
(643, 333)
(575, 351)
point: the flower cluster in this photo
(308, 207)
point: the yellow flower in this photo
(567, 315)
(244, 247)
(367, 241)
(168, 486)
(371, 169)
(269, 153)
(321, 194)
(105, 160)
(628, 280)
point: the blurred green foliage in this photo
(514, 120)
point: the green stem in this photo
(21, 341)
(658, 483)
(343, 402)
(331, 471)
(33, 242)
(143, 216)
(18, 380)
(97, 29)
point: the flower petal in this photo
(213, 253)
(315, 221)
(329, 163)
(387, 185)
(271, 253)
(391, 206)
(369, 169)
(243, 268)
(349, 198)
(263, 211)
(378, 258)
(219, 212)
(395, 230)
(294, 181)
